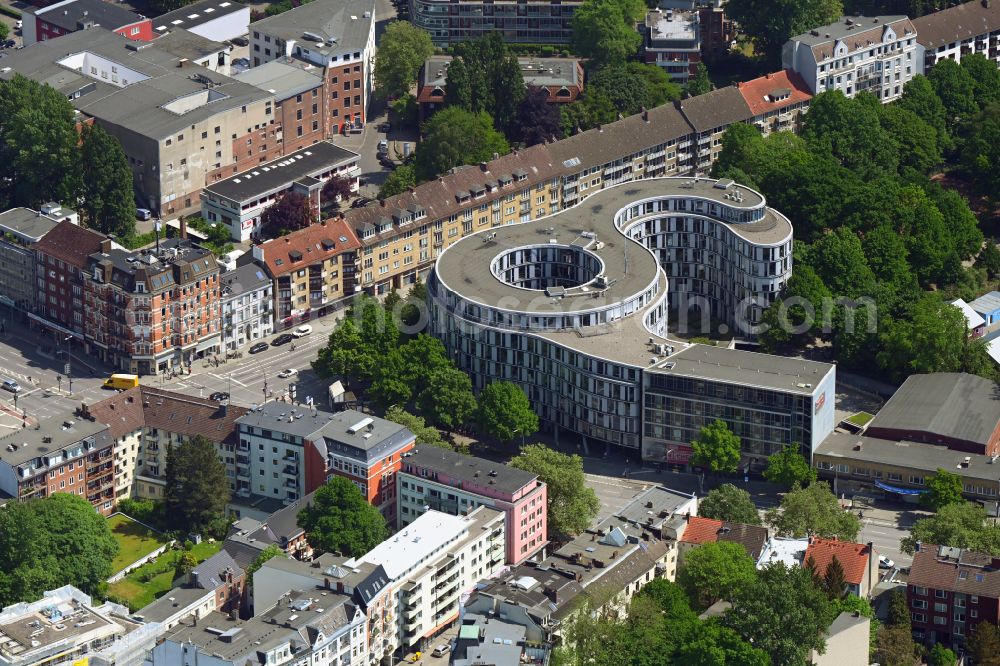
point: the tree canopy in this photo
(572, 505)
(109, 201)
(717, 448)
(715, 571)
(453, 137)
(789, 468)
(197, 489)
(402, 50)
(604, 30)
(770, 23)
(727, 502)
(505, 412)
(960, 525)
(485, 76)
(51, 542)
(290, 212)
(340, 519)
(943, 488)
(813, 510)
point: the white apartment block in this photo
(953, 33)
(857, 54)
(247, 306)
(432, 562)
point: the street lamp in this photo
(69, 364)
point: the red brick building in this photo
(152, 310)
(950, 591)
(61, 258)
(62, 18)
(338, 38)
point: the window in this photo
(919, 603)
(940, 608)
(940, 594)
(938, 620)
(918, 617)
(922, 591)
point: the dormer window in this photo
(368, 232)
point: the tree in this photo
(538, 120)
(571, 503)
(989, 259)
(855, 604)
(400, 180)
(896, 646)
(197, 489)
(337, 188)
(185, 563)
(699, 84)
(955, 88)
(835, 580)
(770, 23)
(980, 153)
(340, 519)
(899, 610)
(447, 400)
(919, 143)
(727, 502)
(789, 468)
(984, 644)
(985, 78)
(851, 131)
(717, 448)
(402, 51)
(932, 338)
(813, 510)
(486, 76)
(660, 88)
(939, 655)
(592, 109)
(454, 136)
(920, 98)
(458, 85)
(783, 613)
(604, 31)
(943, 488)
(292, 211)
(715, 571)
(263, 556)
(627, 92)
(39, 145)
(107, 184)
(426, 435)
(961, 525)
(4, 31)
(505, 412)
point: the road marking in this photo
(228, 378)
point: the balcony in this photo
(243, 473)
(291, 470)
(291, 484)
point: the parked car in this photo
(143, 213)
(11, 385)
(386, 162)
(239, 65)
(241, 41)
(259, 347)
(282, 339)
(302, 331)
(361, 202)
(287, 372)
(385, 127)
(885, 563)
(441, 650)
(383, 147)
(219, 396)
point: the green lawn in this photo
(860, 419)
(135, 541)
(136, 591)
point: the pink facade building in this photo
(442, 480)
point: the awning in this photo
(207, 344)
(54, 326)
(899, 491)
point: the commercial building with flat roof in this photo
(531, 22)
(218, 20)
(456, 484)
(672, 41)
(573, 307)
(955, 32)
(238, 202)
(62, 18)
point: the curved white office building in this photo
(574, 308)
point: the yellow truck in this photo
(121, 382)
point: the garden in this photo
(153, 579)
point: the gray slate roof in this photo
(469, 469)
(344, 22)
(210, 574)
(948, 404)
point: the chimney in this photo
(182, 63)
(106, 245)
(483, 167)
(184, 228)
(768, 75)
(382, 203)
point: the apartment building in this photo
(62, 18)
(179, 124)
(776, 101)
(247, 306)
(313, 270)
(718, 33)
(560, 78)
(456, 484)
(955, 32)
(287, 453)
(336, 36)
(148, 311)
(431, 563)
(950, 591)
(60, 456)
(600, 570)
(144, 422)
(859, 561)
(710, 115)
(531, 22)
(856, 54)
(66, 626)
(699, 531)
(61, 260)
(248, 536)
(217, 20)
(238, 202)
(373, 635)
(217, 584)
(20, 229)
(672, 40)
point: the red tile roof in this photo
(71, 243)
(315, 243)
(761, 92)
(853, 557)
(701, 530)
